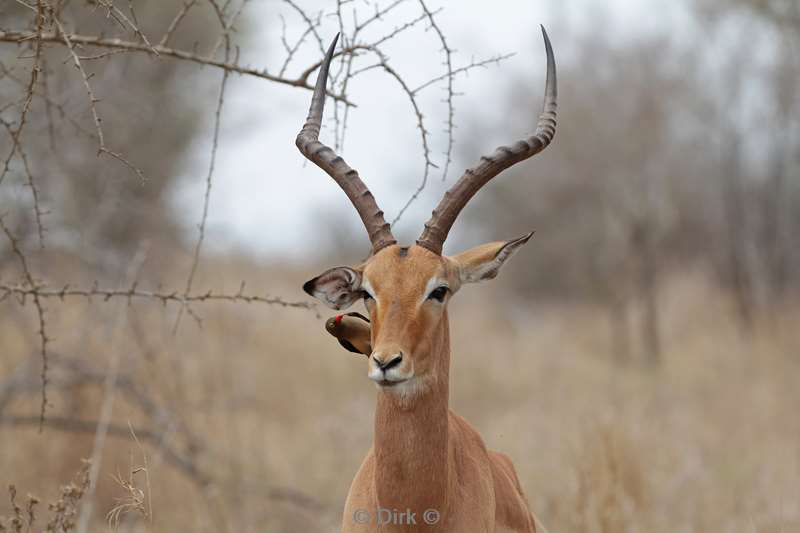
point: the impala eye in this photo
(367, 296)
(438, 294)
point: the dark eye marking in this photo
(438, 294)
(366, 296)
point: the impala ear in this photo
(483, 262)
(337, 288)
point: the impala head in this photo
(406, 289)
(406, 292)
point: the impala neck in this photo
(411, 440)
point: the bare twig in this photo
(30, 284)
(482, 63)
(109, 396)
(31, 182)
(291, 50)
(74, 372)
(50, 102)
(426, 151)
(448, 53)
(71, 372)
(187, 5)
(49, 28)
(226, 28)
(133, 292)
(102, 148)
(379, 13)
(117, 14)
(207, 195)
(72, 425)
(16, 147)
(312, 26)
(180, 462)
(101, 432)
(37, 38)
(25, 4)
(94, 40)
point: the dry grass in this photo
(63, 510)
(135, 499)
(709, 442)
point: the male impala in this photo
(428, 469)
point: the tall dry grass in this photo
(708, 442)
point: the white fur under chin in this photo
(407, 391)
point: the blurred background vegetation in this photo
(638, 361)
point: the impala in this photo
(428, 469)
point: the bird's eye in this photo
(438, 294)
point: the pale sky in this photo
(264, 193)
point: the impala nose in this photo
(389, 361)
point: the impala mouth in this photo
(390, 383)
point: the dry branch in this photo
(31, 182)
(71, 372)
(448, 61)
(133, 292)
(181, 462)
(52, 26)
(187, 5)
(102, 148)
(71, 425)
(40, 313)
(226, 25)
(130, 46)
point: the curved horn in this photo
(445, 214)
(324, 157)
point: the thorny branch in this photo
(102, 148)
(50, 102)
(211, 164)
(182, 463)
(353, 47)
(16, 146)
(37, 209)
(133, 293)
(17, 37)
(173, 440)
(187, 5)
(51, 33)
(30, 284)
(448, 61)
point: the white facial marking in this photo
(367, 287)
(432, 284)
